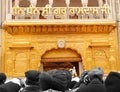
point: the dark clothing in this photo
(45, 81)
(112, 82)
(10, 87)
(61, 80)
(32, 77)
(72, 84)
(55, 79)
(94, 86)
(32, 80)
(83, 80)
(2, 78)
(32, 88)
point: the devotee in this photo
(112, 82)
(13, 85)
(83, 80)
(32, 81)
(61, 80)
(45, 81)
(58, 80)
(95, 85)
(93, 81)
(74, 81)
(96, 72)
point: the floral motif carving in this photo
(21, 29)
(101, 57)
(47, 29)
(15, 29)
(26, 29)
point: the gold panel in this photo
(25, 43)
(58, 28)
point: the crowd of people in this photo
(62, 81)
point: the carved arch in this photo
(62, 58)
(61, 55)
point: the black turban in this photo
(32, 77)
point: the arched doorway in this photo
(61, 59)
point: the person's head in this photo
(96, 73)
(32, 77)
(12, 85)
(3, 78)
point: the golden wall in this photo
(25, 44)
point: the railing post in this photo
(8, 9)
(51, 15)
(118, 10)
(113, 9)
(100, 6)
(67, 3)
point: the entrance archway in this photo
(62, 59)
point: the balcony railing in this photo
(47, 12)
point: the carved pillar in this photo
(118, 9)
(113, 9)
(100, 5)
(119, 5)
(84, 3)
(51, 15)
(16, 2)
(33, 2)
(67, 3)
(8, 9)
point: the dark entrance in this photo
(61, 59)
(60, 65)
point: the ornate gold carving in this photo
(38, 29)
(99, 43)
(95, 43)
(19, 45)
(101, 58)
(10, 30)
(21, 29)
(26, 29)
(34, 64)
(47, 29)
(9, 68)
(15, 29)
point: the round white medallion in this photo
(61, 44)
